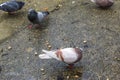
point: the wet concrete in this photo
(79, 24)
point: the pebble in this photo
(76, 76)
(84, 41)
(29, 49)
(27, 57)
(68, 77)
(47, 43)
(43, 73)
(73, 2)
(118, 59)
(1, 50)
(60, 5)
(49, 46)
(107, 79)
(42, 69)
(9, 47)
(36, 53)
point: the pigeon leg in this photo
(70, 66)
(30, 26)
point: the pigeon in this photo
(37, 17)
(103, 3)
(11, 6)
(67, 55)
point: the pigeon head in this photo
(21, 4)
(45, 13)
(32, 15)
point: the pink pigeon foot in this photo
(70, 66)
(30, 26)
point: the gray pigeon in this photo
(37, 17)
(103, 3)
(11, 6)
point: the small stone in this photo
(60, 5)
(36, 53)
(68, 77)
(73, 2)
(49, 46)
(47, 43)
(1, 50)
(84, 41)
(107, 79)
(42, 69)
(43, 73)
(76, 76)
(45, 77)
(118, 59)
(29, 49)
(27, 57)
(9, 47)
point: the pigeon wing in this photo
(10, 6)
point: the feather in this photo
(44, 56)
(11, 6)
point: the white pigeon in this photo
(67, 55)
(103, 3)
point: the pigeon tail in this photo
(44, 56)
(45, 51)
(51, 54)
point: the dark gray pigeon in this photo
(11, 6)
(37, 17)
(104, 3)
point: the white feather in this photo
(3, 4)
(40, 16)
(44, 56)
(51, 54)
(93, 1)
(69, 55)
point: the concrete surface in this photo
(74, 24)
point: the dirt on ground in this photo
(71, 23)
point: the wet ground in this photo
(71, 23)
